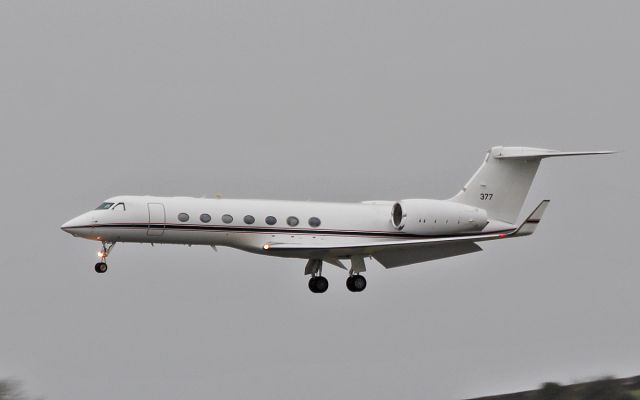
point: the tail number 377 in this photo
(486, 196)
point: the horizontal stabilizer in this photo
(531, 223)
(534, 153)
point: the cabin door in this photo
(157, 219)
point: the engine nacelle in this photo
(436, 217)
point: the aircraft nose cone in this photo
(81, 226)
(73, 224)
(67, 226)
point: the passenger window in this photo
(292, 221)
(183, 217)
(248, 219)
(270, 220)
(205, 218)
(120, 207)
(314, 222)
(227, 219)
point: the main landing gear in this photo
(320, 284)
(101, 267)
(317, 283)
(356, 283)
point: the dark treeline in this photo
(11, 389)
(602, 389)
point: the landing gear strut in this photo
(101, 267)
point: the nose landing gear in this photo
(101, 267)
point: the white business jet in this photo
(395, 233)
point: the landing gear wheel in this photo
(312, 284)
(356, 283)
(350, 284)
(318, 284)
(322, 284)
(101, 267)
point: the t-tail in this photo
(501, 184)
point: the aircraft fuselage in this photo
(250, 224)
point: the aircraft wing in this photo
(397, 250)
(382, 245)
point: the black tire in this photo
(359, 283)
(321, 284)
(312, 284)
(350, 284)
(101, 267)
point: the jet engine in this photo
(436, 217)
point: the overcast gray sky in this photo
(327, 100)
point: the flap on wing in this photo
(400, 257)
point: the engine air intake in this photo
(397, 216)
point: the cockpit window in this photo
(104, 206)
(120, 207)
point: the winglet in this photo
(531, 223)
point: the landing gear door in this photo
(157, 219)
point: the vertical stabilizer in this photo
(501, 184)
